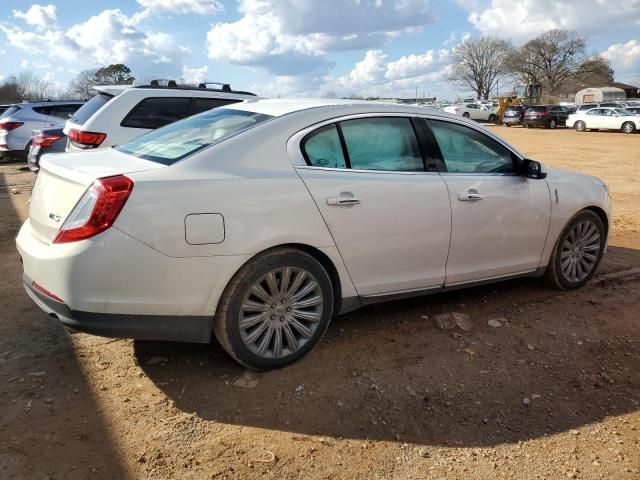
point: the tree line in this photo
(27, 86)
(556, 60)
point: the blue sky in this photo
(297, 47)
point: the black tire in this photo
(555, 275)
(226, 325)
(529, 126)
(507, 124)
(493, 118)
(580, 126)
(465, 114)
(628, 127)
(553, 123)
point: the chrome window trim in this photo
(355, 170)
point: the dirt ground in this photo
(552, 393)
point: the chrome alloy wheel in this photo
(281, 312)
(580, 251)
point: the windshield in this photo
(177, 140)
(85, 112)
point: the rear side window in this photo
(199, 105)
(323, 149)
(385, 143)
(86, 111)
(11, 111)
(63, 111)
(152, 113)
(465, 150)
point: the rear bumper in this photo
(538, 122)
(143, 327)
(512, 120)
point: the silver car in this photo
(20, 119)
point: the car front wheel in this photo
(578, 251)
(275, 309)
(580, 126)
(553, 123)
(628, 127)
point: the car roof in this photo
(115, 90)
(282, 106)
(47, 103)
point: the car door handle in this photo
(470, 197)
(343, 201)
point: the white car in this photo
(20, 119)
(604, 119)
(120, 113)
(474, 111)
(259, 221)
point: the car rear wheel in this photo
(493, 118)
(275, 309)
(553, 123)
(465, 115)
(628, 127)
(507, 124)
(529, 126)
(580, 126)
(578, 251)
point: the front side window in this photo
(596, 111)
(384, 143)
(465, 150)
(152, 113)
(322, 148)
(174, 142)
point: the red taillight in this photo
(8, 126)
(44, 140)
(82, 139)
(46, 292)
(96, 210)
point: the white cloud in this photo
(291, 37)
(195, 75)
(524, 19)
(201, 7)
(109, 37)
(625, 60)
(43, 17)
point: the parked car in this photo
(588, 106)
(49, 140)
(118, 114)
(474, 111)
(259, 221)
(549, 116)
(604, 119)
(513, 115)
(634, 110)
(20, 119)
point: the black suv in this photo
(549, 116)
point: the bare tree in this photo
(9, 91)
(550, 59)
(27, 86)
(80, 87)
(479, 63)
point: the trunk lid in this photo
(63, 179)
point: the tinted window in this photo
(537, 109)
(85, 112)
(199, 105)
(63, 111)
(465, 150)
(385, 143)
(42, 110)
(322, 148)
(10, 111)
(176, 141)
(154, 113)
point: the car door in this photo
(499, 218)
(390, 219)
(594, 118)
(610, 119)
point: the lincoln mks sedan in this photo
(259, 221)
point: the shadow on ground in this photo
(387, 373)
(51, 425)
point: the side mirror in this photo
(534, 170)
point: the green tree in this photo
(115, 74)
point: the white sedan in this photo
(474, 111)
(605, 118)
(259, 221)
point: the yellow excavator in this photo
(524, 95)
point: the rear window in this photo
(10, 111)
(537, 109)
(174, 142)
(85, 112)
